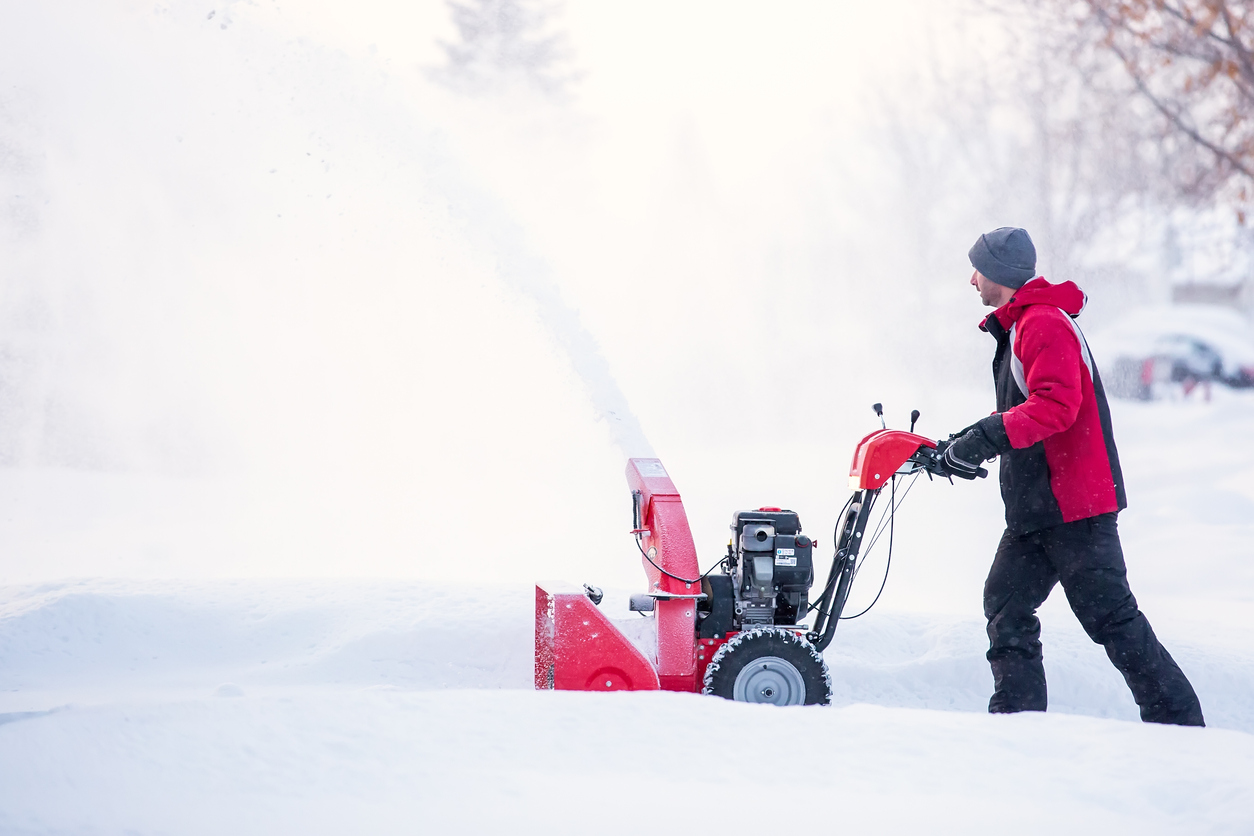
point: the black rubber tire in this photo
(763, 642)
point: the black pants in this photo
(1085, 556)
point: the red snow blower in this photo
(738, 632)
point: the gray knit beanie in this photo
(1006, 256)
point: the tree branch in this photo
(1243, 54)
(1183, 126)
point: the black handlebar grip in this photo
(981, 472)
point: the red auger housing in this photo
(738, 632)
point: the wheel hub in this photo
(772, 680)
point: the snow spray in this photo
(489, 228)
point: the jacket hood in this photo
(1065, 295)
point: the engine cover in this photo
(772, 569)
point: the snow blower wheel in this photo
(772, 666)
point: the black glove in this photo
(966, 451)
(943, 468)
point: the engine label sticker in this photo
(781, 560)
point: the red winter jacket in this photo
(1061, 464)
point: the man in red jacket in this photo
(1062, 487)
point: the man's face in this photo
(991, 293)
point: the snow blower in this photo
(738, 632)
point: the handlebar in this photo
(929, 459)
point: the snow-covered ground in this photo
(332, 706)
(406, 707)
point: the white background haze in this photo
(289, 308)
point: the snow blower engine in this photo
(739, 630)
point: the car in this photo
(1175, 348)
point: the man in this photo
(1062, 487)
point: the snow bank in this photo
(323, 707)
(94, 640)
(88, 642)
(484, 762)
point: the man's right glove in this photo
(963, 453)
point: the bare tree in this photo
(1193, 62)
(503, 42)
(1013, 135)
